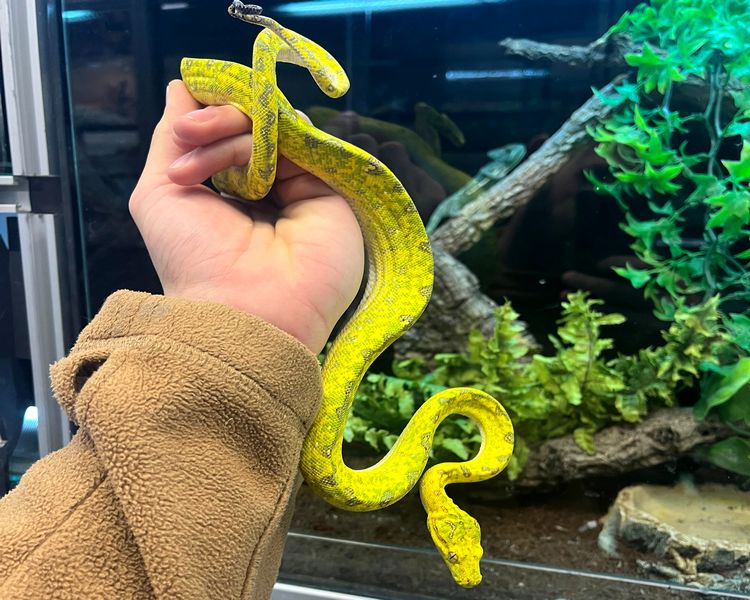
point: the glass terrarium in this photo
(582, 169)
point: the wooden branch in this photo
(609, 53)
(661, 437)
(500, 201)
(457, 305)
(601, 52)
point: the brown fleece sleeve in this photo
(179, 482)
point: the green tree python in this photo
(399, 285)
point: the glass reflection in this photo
(5, 166)
(18, 445)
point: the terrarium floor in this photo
(559, 529)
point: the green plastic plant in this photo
(580, 389)
(681, 176)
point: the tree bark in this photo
(610, 54)
(600, 52)
(661, 437)
(457, 305)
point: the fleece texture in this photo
(180, 480)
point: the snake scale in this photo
(398, 288)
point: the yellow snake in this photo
(398, 288)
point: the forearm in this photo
(191, 420)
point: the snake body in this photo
(398, 288)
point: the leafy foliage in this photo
(579, 389)
(692, 169)
(384, 406)
(682, 180)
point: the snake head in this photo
(457, 537)
(239, 9)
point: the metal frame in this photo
(24, 97)
(39, 235)
(29, 136)
(287, 591)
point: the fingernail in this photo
(182, 161)
(202, 114)
(166, 93)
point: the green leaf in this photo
(645, 58)
(741, 128)
(661, 179)
(734, 210)
(737, 408)
(611, 100)
(631, 406)
(628, 91)
(405, 404)
(455, 446)
(732, 454)
(572, 391)
(666, 209)
(720, 387)
(740, 169)
(706, 185)
(638, 119)
(373, 438)
(637, 277)
(738, 326)
(585, 439)
(656, 153)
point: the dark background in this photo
(121, 54)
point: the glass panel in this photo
(17, 412)
(396, 572)
(5, 166)
(615, 225)
(106, 96)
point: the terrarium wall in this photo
(582, 169)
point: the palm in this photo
(295, 262)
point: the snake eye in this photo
(453, 557)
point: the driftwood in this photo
(607, 52)
(663, 436)
(456, 307)
(504, 198)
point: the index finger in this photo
(165, 148)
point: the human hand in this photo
(294, 259)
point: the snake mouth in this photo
(467, 580)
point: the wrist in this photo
(293, 320)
